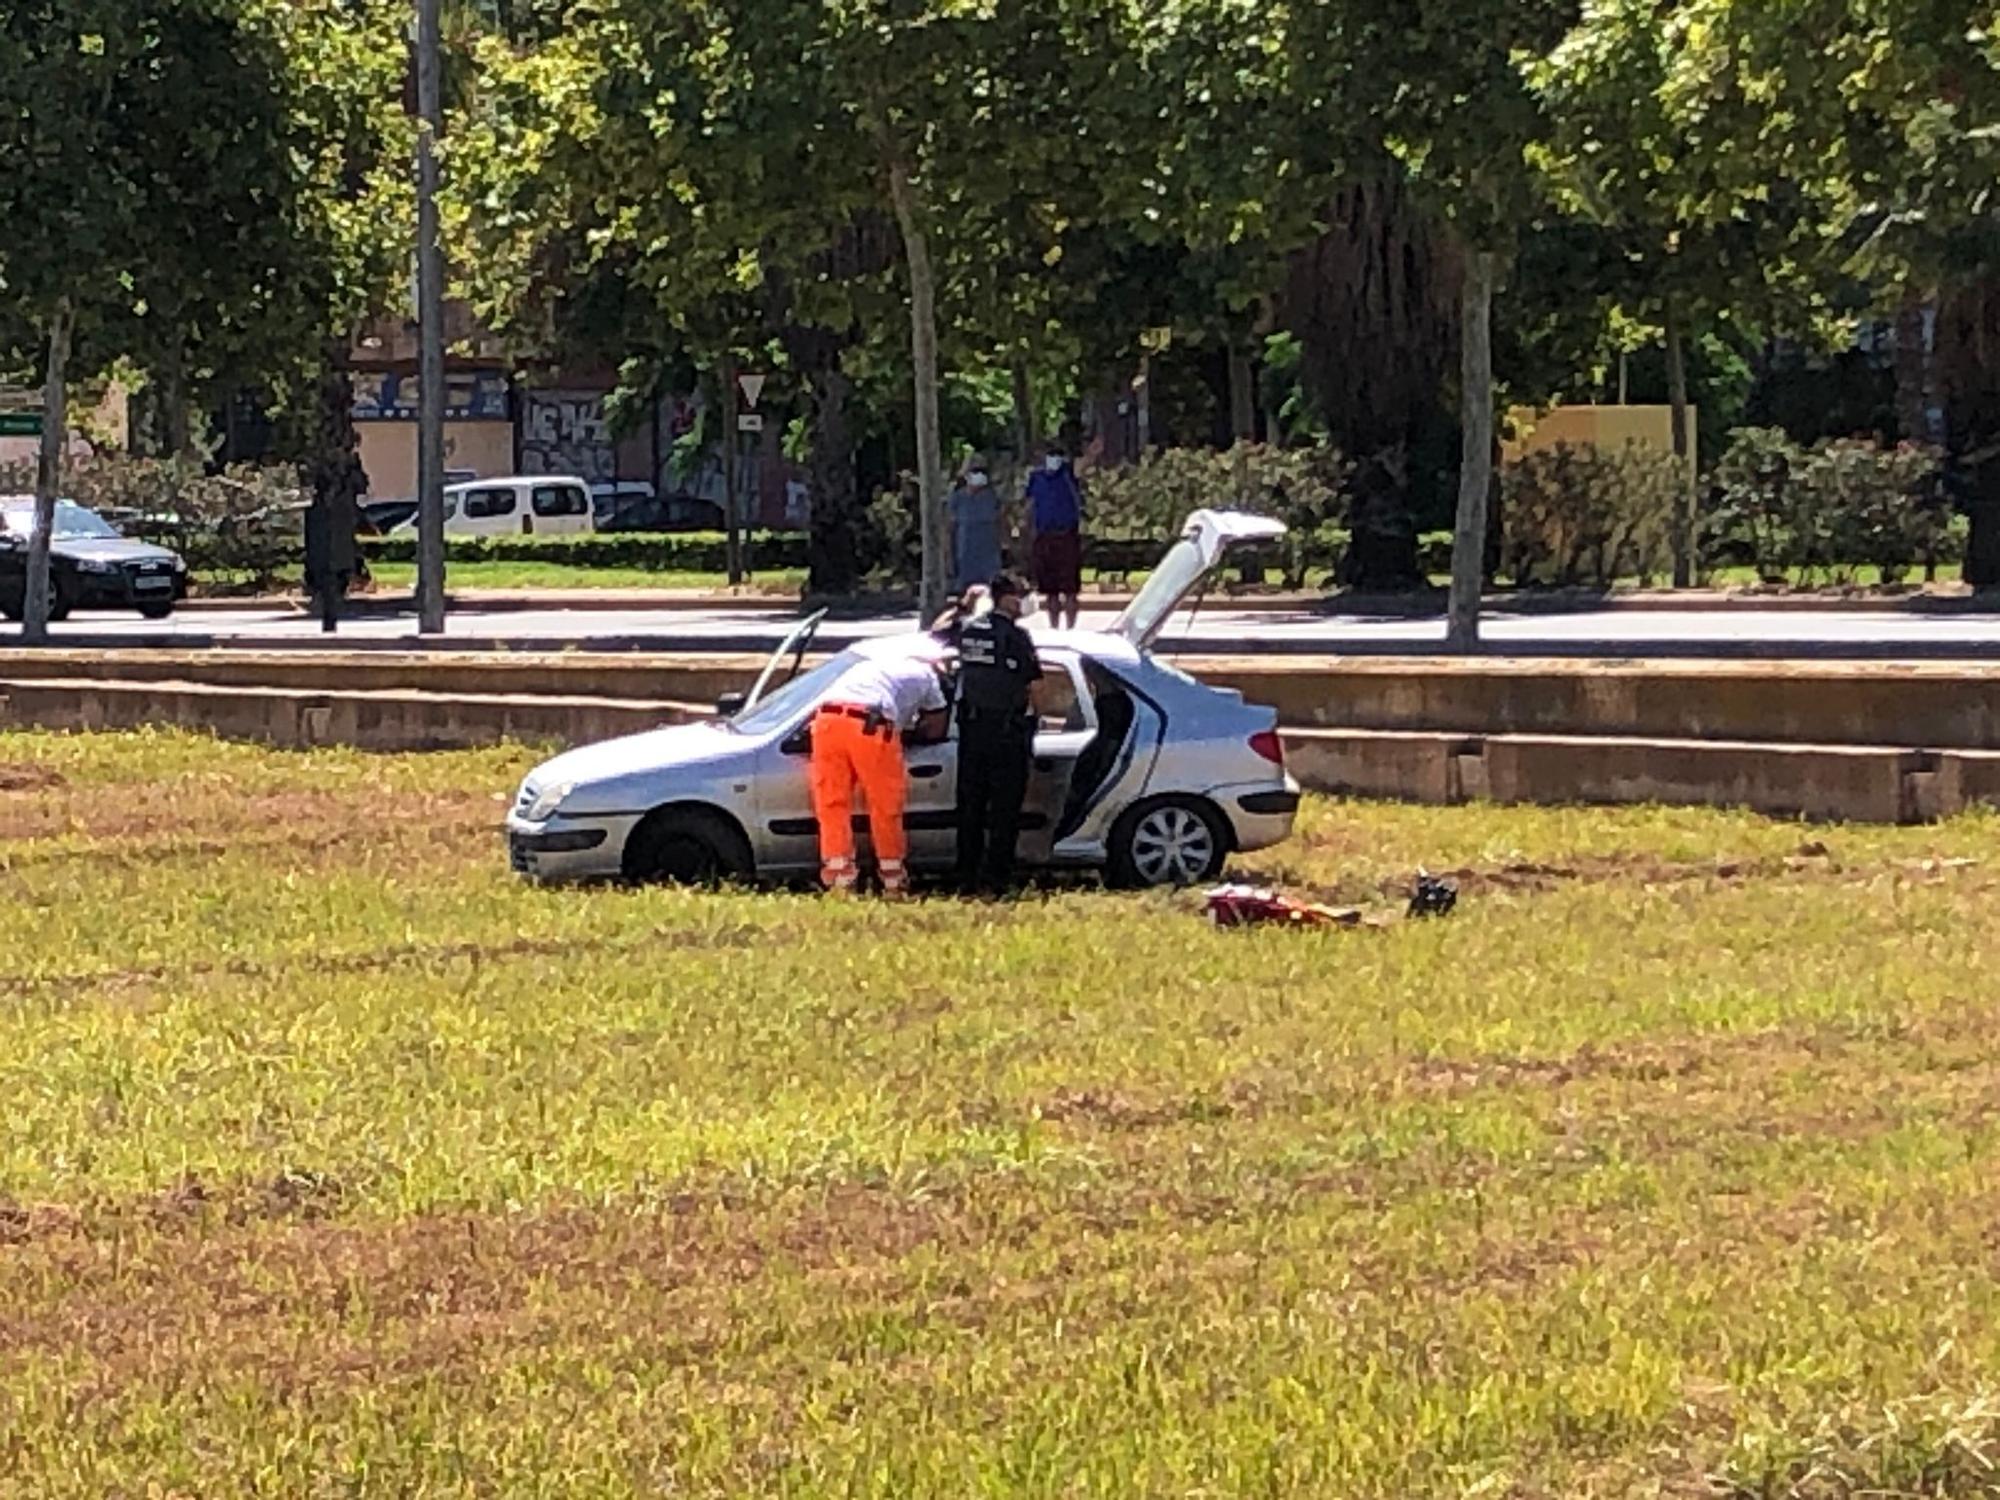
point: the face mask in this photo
(977, 479)
(1053, 463)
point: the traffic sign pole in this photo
(729, 446)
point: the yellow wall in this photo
(1594, 426)
(389, 453)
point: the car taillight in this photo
(1267, 744)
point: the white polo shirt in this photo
(901, 689)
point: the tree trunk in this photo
(1375, 303)
(1242, 394)
(1968, 367)
(924, 358)
(1144, 402)
(1027, 427)
(1913, 370)
(176, 433)
(48, 479)
(1475, 474)
(337, 479)
(832, 558)
(1685, 541)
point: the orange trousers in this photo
(845, 756)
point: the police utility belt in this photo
(873, 720)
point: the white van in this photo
(529, 505)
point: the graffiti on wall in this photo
(565, 432)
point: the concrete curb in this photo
(1830, 649)
(1943, 706)
(1367, 606)
(1841, 782)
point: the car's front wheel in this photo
(686, 846)
(1172, 841)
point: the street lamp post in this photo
(430, 324)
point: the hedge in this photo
(706, 552)
(677, 552)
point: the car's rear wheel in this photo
(156, 611)
(1171, 841)
(686, 846)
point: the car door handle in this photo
(926, 773)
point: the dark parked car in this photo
(656, 513)
(91, 566)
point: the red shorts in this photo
(1059, 562)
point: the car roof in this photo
(509, 479)
(1111, 649)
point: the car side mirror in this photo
(799, 741)
(729, 705)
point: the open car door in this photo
(1205, 541)
(786, 659)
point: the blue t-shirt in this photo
(1055, 501)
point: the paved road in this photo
(1739, 631)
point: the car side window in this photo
(480, 504)
(559, 500)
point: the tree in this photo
(1421, 73)
(1647, 137)
(74, 215)
(743, 157)
(187, 185)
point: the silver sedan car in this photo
(1139, 770)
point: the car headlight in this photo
(548, 802)
(95, 565)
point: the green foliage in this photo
(1819, 512)
(211, 184)
(676, 552)
(1149, 501)
(1588, 516)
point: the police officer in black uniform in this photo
(997, 672)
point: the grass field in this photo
(333, 1161)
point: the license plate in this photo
(152, 583)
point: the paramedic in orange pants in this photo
(857, 740)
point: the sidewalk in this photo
(1941, 601)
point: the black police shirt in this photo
(997, 662)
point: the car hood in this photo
(638, 755)
(113, 549)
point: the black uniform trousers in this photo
(995, 753)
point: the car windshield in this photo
(788, 702)
(72, 520)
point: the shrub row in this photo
(677, 552)
(1591, 517)
(1587, 515)
(1819, 513)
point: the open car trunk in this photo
(1205, 541)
